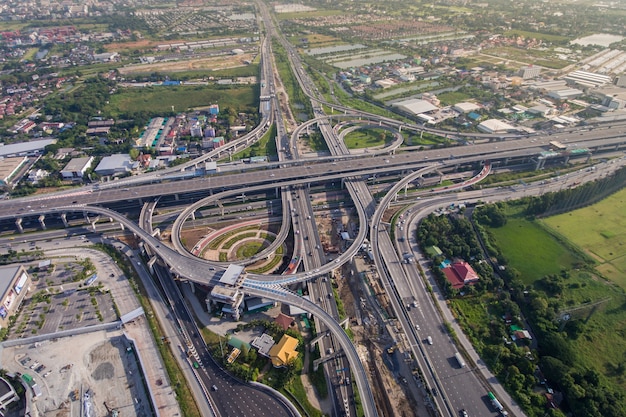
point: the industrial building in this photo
(416, 106)
(76, 168)
(149, 138)
(34, 147)
(115, 165)
(495, 126)
(613, 98)
(588, 79)
(14, 284)
(9, 168)
(466, 107)
(565, 94)
(529, 71)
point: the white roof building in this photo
(385, 83)
(263, 344)
(548, 85)
(25, 148)
(466, 107)
(232, 274)
(588, 79)
(76, 168)
(14, 284)
(416, 106)
(540, 109)
(9, 167)
(495, 126)
(115, 164)
(565, 94)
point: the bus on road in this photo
(460, 360)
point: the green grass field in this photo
(161, 99)
(531, 250)
(450, 98)
(536, 35)
(599, 230)
(365, 138)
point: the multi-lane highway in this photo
(457, 387)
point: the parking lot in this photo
(57, 301)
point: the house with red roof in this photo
(460, 273)
(284, 321)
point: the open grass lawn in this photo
(30, 54)
(536, 35)
(473, 313)
(599, 230)
(530, 56)
(365, 138)
(531, 250)
(450, 98)
(602, 345)
(161, 99)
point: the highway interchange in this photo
(458, 388)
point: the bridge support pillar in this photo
(18, 223)
(540, 164)
(406, 187)
(506, 161)
(192, 287)
(122, 226)
(566, 159)
(157, 233)
(343, 183)
(93, 223)
(176, 197)
(42, 222)
(588, 158)
(64, 219)
(344, 323)
(193, 215)
(151, 263)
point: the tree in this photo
(553, 344)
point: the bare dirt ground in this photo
(130, 45)
(96, 361)
(389, 395)
(211, 63)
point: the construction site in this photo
(89, 375)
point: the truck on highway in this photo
(460, 360)
(496, 404)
